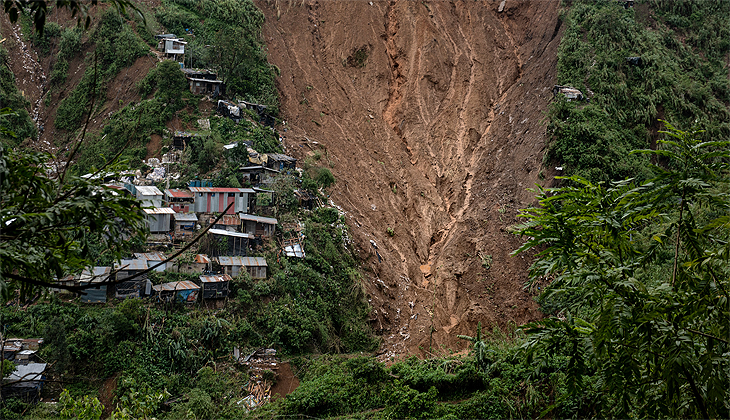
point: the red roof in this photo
(179, 193)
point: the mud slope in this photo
(430, 114)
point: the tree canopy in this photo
(639, 279)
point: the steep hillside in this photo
(430, 115)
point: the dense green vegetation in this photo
(640, 279)
(225, 35)
(682, 78)
(19, 121)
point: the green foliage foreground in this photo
(640, 283)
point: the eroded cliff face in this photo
(431, 116)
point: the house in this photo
(214, 286)
(150, 196)
(258, 174)
(223, 242)
(158, 219)
(280, 162)
(203, 82)
(215, 200)
(21, 350)
(229, 109)
(181, 139)
(97, 278)
(179, 291)
(25, 382)
(184, 225)
(137, 287)
(199, 265)
(171, 45)
(258, 225)
(229, 222)
(179, 200)
(153, 259)
(255, 266)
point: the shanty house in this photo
(258, 174)
(224, 242)
(185, 225)
(258, 225)
(137, 287)
(255, 266)
(214, 286)
(152, 258)
(150, 196)
(158, 219)
(25, 382)
(171, 45)
(280, 162)
(179, 291)
(179, 200)
(229, 222)
(203, 82)
(200, 264)
(215, 200)
(97, 279)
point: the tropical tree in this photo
(53, 223)
(639, 285)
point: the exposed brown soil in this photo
(106, 395)
(432, 117)
(286, 382)
(32, 72)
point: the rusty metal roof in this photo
(215, 278)
(202, 259)
(227, 220)
(176, 193)
(152, 256)
(244, 261)
(176, 286)
(220, 190)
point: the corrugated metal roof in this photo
(29, 372)
(227, 220)
(294, 251)
(176, 286)
(259, 219)
(96, 275)
(185, 217)
(151, 256)
(281, 157)
(227, 233)
(127, 265)
(244, 261)
(176, 193)
(204, 80)
(202, 259)
(159, 210)
(215, 278)
(148, 190)
(258, 190)
(230, 146)
(220, 190)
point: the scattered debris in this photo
(570, 92)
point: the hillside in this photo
(431, 116)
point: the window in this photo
(212, 195)
(200, 194)
(240, 194)
(197, 83)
